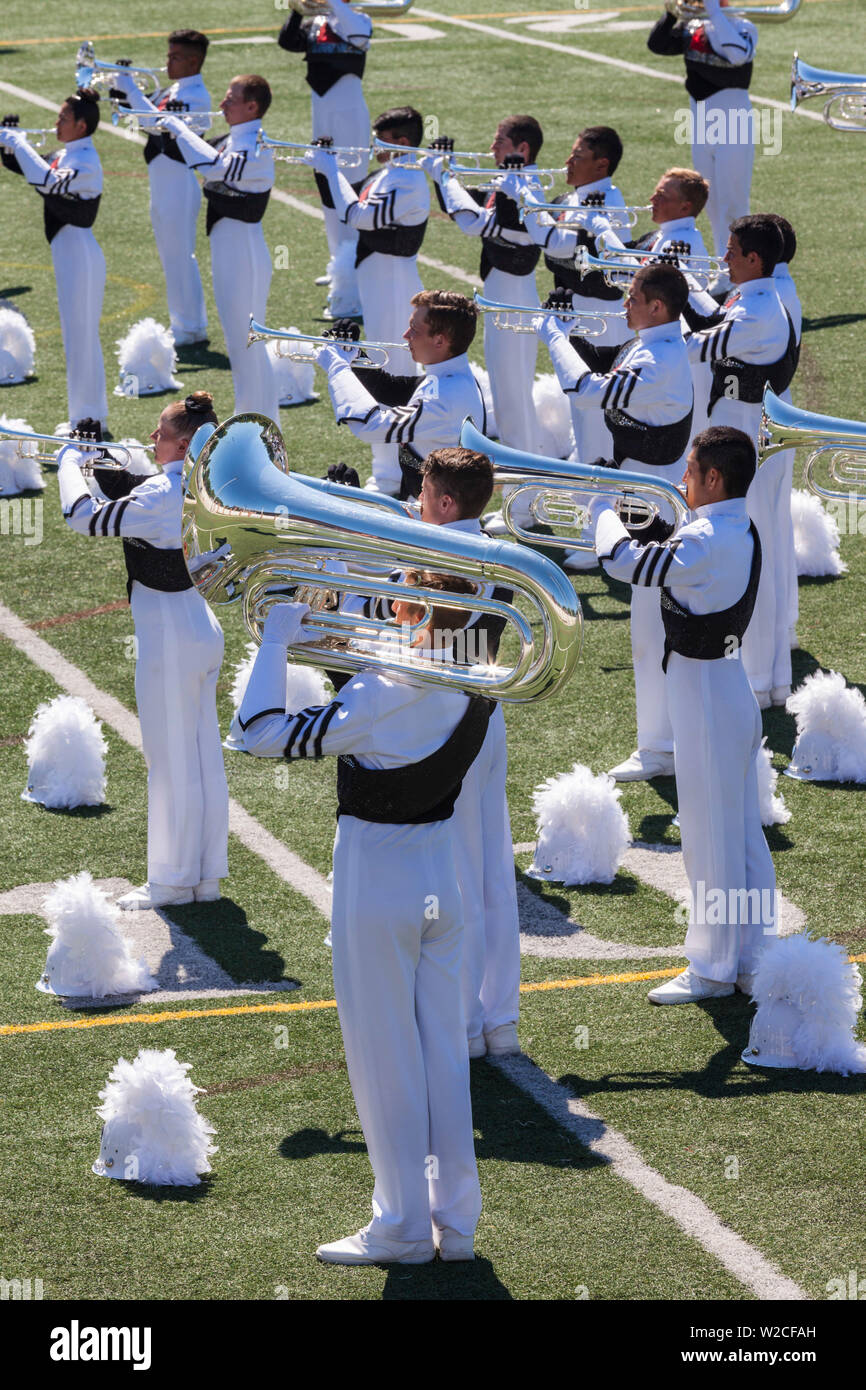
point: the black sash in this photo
(162, 143)
(60, 212)
(223, 201)
(390, 241)
(707, 636)
(655, 444)
(416, 793)
(163, 570)
(751, 377)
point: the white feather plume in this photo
(147, 360)
(555, 436)
(294, 379)
(65, 751)
(582, 829)
(88, 955)
(831, 729)
(816, 536)
(18, 472)
(773, 808)
(818, 978)
(483, 379)
(151, 1105)
(140, 461)
(17, 346)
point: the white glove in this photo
(533, 193)
(323, 160)
(547, 326)
(433, 165)
(123, 81)
(334, 355)
(600, 502)
(597, 223)
(172, 123)
(284, 625)
(8, 135)
(511, 184)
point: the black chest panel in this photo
(163, 570)
(707, 636)
(223, 201)
(654, 444)
(751, 377)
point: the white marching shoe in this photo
(366, 1249)
(450, 1245)
(688, 988)
(763, 698)
(155, 895)
(477, 1047)
(208, 891)
(502, 1041)
(780, 694)
(644, 764)
(746, 983)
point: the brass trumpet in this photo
(572, 213)
(843, 93)
(252, 532)
(83, 444)
(545, 177)
(90, 71)
(620, 267)
(556, 489)
(510, 317)
(776, 10)
(348, 156)
(785, 426)
(369, 354)
(152, 123)
(36, 138)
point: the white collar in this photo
(658, 331)
(85, 143)
(449, 367)
(175, 466)
(181, 82)
(472, 524)
(734, 507)
(763, 285)
(679, 224)
(600, 186)
(245, 128)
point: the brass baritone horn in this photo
(556, 491)
(775, 10)
(253, 533)
(369, 354)
(517, 318)
(843, 93)
(785, 426)
(92, 72)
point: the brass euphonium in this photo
(843, 93)
(557, 492)
(91, 71)
(785, 426)
(254, 532)
(776, 10)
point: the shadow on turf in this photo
(150, 1192)
(222, 931)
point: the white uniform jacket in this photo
(431, 419)
(560, 239)
(651, 379)
(234, 162)
(189, 90)
(73, 172)
(755, 327)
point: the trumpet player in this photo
(749, 341)
(441, 329)
(644, 392)
(718, 50)
(175, 195)
(390, 216)
(238, 177)
(179, 653)
(70, 185)
(335, 46)
(678, 198)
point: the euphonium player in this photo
(70, 185)
(179, 654)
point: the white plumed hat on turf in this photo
(147, 360)
(88, 957)
(816, 536)
(483, 379)
(65, 751)
(831, 730)
(582, 829)
(19, 472)
(773, 808)
(152, 1131)
(305, 685)
(294, 379)
(809, 996)
(17, 346)
(555, 437)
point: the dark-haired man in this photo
(707, 574)
(70, 185)
(175, 196)
(749, 342)
(441, 329)
(390, 216)
(238, 177)
(644, 392)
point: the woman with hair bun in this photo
(179, 651)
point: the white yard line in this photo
(739, 1258)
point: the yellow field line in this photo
(310, 1006)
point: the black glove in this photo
(87, 429)
(443, 144)
(343, 473)
(558, 300)
(10, 120)
(346, 329)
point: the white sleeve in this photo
(405, 203)
(567, 363)
(353, 26)
(683, 560)
(197, 153)
(68, 180)
(135, 98)
(141, 515)
(272, 731)
(731, 338)
(734, 42)
(469, 216)
(558, 240)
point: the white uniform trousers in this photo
(787, 552)
(728, 166)
(79, 270)
(386, 285)
(175, 199)
(766, 645)
(397, 930)
(717, 735)
(180, 651)
(484, 856)
(592, 438)
(510, 360)
(648, 639)
(241, 269)
(342, 115)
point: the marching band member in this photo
(645, 392)
(707, 574)
(396, 927)
(335, 46)
(787, 292)
(748, 342)
(718, 50)
(238, 178)
(175, 196)
(679, 197)
(390, 216)
(441, 329)
(179, 653)
(70, 185)
(508, 261)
